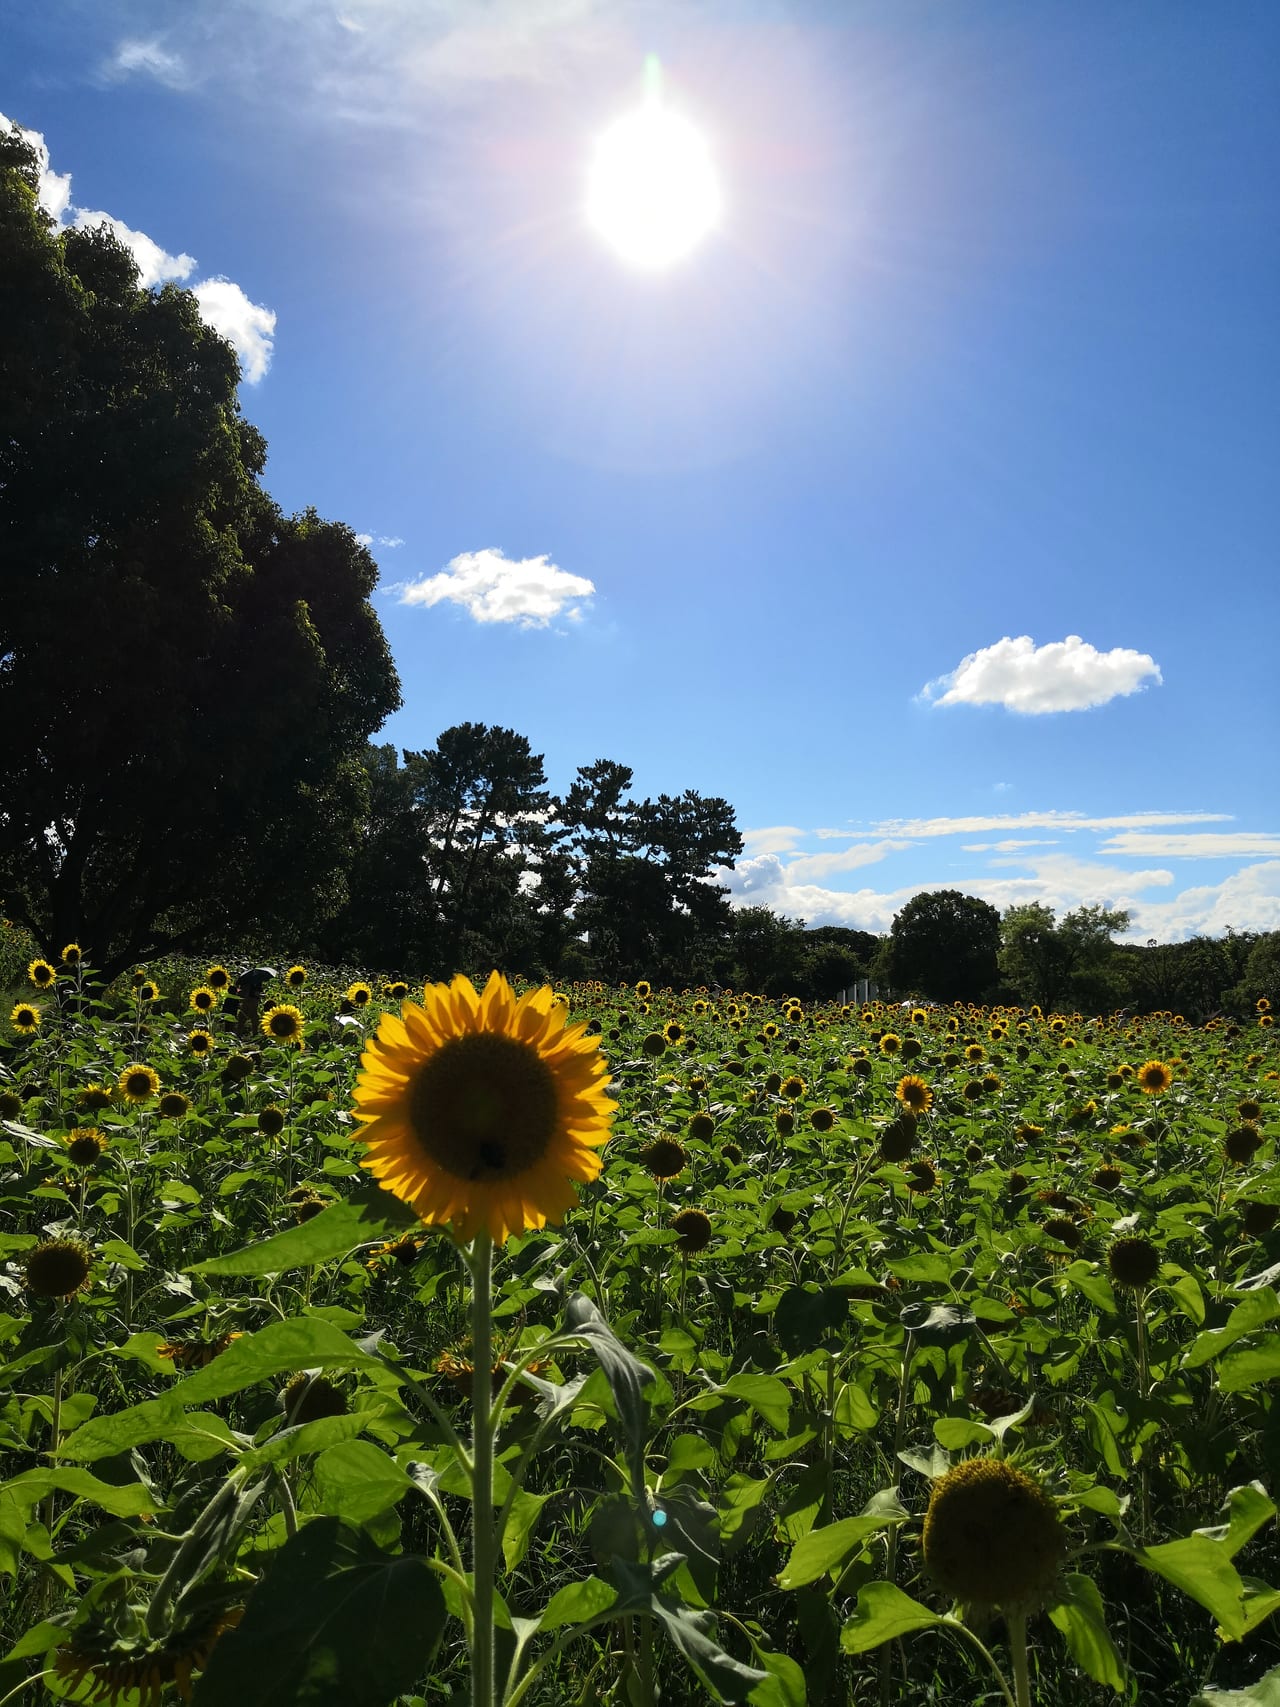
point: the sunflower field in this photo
(367, 1344)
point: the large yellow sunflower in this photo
(482, 1111)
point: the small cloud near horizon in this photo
(1031, 680)
(492, 587)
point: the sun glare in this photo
(653, 193)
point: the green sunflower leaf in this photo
(366, 1217)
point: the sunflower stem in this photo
(483, 1531)
(1016, 1624)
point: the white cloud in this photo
(247, 326)
(771, 838)
(808, 867)
(54, 193)
(1248, 900)
(1064, 675)
(492, 587)
(365, 539)
(1053, 820)
(155, 264)
(391, 544)
(1230, 844)
(146, 56)
(1010, 845)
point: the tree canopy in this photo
(188, 677)
(943, 945)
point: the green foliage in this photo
(152, 587)
(943, 945)
(253, 1416)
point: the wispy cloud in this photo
(772, 838)
(155, 265)
(147, 57)
(492, 587)
(388, 543)
(808, 868)
(1052, 820)
(1064, 675)
(1010, 844)
(1229, 844)
(248, 327)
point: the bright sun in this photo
(653, 193)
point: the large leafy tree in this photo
(188, 677)
(944, 945)
(642, 871)
(1075, 960)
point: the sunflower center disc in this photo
(483, 1107)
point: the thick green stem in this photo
(483, 1532)
(1016, 1624)
(1144, 1392)
(891, 1558)
(55, 1437)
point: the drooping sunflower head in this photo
(793, 1087)
(974, 1090)
(59, 1268)
(1259, 1218)
(694, 1228)
(72, 954)
(86, 1146)
(1242, 1145)
(174, 1105)
(1154, 1078)
(271, 1121)
(11, 1105)
(784, 1123)
(139, 1083)
(308, 1397)
(1134, 1263)
(914, 1094)
(217, 978)
(148, 991)
(922, 1176)
(1064, 1231)
(702, 1126)
(992, 1536)
(822, 1119)
(236, 1069)
(664, 1158)
(283, 1024)
(482, 1111)
(93, 1098)
(1249, 1108)
(41, 974)
(117, 1670)
(25, 1018)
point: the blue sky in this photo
(927, 510)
